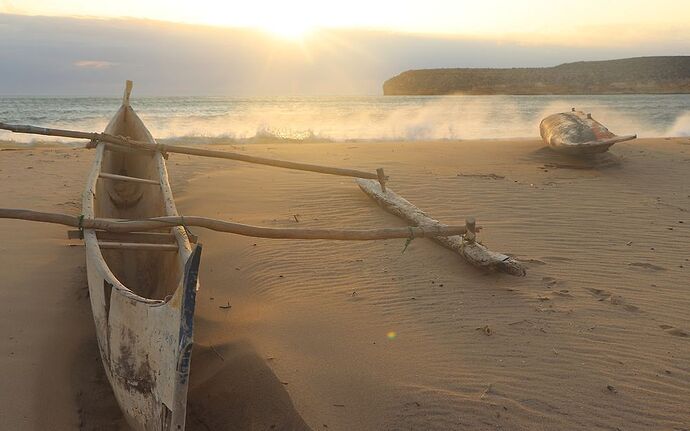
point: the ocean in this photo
(347, 118)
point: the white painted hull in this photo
(142, 301)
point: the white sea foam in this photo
(374, 118)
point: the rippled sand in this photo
(358, 335)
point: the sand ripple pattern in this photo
(595, 337)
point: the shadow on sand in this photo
(231, 388)
(554, 160)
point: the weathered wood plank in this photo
(137, 246)
(126, 178)
(148, 237)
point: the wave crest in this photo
(347, 119)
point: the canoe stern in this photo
(146, 347)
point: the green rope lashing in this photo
(408, 240)
(81, 226)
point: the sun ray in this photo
(291, 27)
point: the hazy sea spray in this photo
(682, 126)
(353, 118)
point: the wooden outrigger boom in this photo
(156, 223)
(119, 143)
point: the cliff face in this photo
(641, 75)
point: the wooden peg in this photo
(589, 115)
(382, 179)
(471, 233)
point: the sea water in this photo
(365, 118)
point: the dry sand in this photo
(596, 336)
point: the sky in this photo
(531, 19)
(207, 47)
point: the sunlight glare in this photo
(288, 28)
(288, 21)
(505, 19)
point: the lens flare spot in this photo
(391, 335)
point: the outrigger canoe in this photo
(577, 133)
(143, 273)
(142, 286)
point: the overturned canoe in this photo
(142, 292)
(577, 133)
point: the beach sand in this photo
(361, 336)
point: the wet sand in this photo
(358, 335)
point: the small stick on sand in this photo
(217, 353)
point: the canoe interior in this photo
(150, 274)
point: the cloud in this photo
(39, 56)
(94, 64)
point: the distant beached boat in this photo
(578, 133)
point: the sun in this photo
(288, 28)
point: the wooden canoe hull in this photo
(142, 300)
(577, 133)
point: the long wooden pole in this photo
(230, 227)
(34, 130)
(121, 141)
(257, 160)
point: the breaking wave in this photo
(345, 119)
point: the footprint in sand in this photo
(549, 281)
(618, 300)
(604, 295)
(645, 265)
(600, 294)
(674, 331)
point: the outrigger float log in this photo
(465, 245)
(142, 267)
